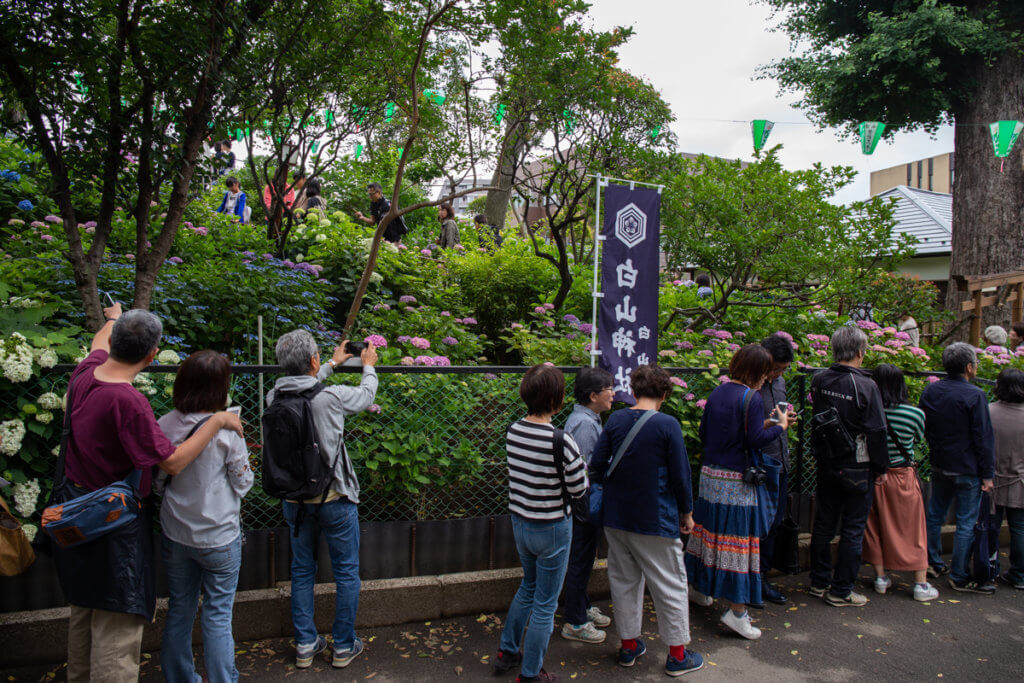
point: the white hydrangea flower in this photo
(168, 357)
(47, 358)
(25, 497)
(49, 401)
(45, 416)
(11, 434)
(30, 531)
(81, 356)
(376, 278)
(56, 451)
(24, 302)
(16, 358)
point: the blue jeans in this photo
(215, 572)
(339, 522)
(966, 490)
(544, 552)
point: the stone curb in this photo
(40, 636)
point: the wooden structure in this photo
(1014, 282)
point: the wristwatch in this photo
(332, 362)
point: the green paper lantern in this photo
(313, 147)
(359, 150)
(654, 133)
(1004, 135)
(570, 122)
(389, 112)
(329, 118)
(359, 113)
(434, 96)
(761, 129)
(499, 114)
(870, 133)
(401, 152)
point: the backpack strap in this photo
(641, 421)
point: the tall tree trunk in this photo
(988, 204)
(496, 208)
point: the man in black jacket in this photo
(379, 206)
(845, 475)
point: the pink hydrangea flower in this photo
(404, 339)
(722, 379)
(450, 341)
(539, 310)
(932, 379)
(426, 252)
(52, 219)
(469, 321)
(679, 383)
(684, 345)
(785, 335)
(46, 238)
(446, 314)
(377, 340)
(667, 353)
(130, 257)
(440, 361)
(902, 336)
(381, 307)
(406, 360)
(549, 323)
(420, 343)
(407, 299)
(689, 397)
(701, 403)
(175, 259)
(423, 360)
(517, 326)
(705, 352)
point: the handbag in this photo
(76, 520)
(16, 552)
(596, 512)
(762, 474)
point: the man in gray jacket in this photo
(335, 514)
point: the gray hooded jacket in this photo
(330, 407)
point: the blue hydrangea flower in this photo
(25, 205)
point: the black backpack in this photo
(293, 468)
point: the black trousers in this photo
(581, 563)
(838, 507)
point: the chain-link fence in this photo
(432, 446)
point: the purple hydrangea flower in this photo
(404, 339)
(586, 328)
(175, 259)
(407, 299)
(450, 341)
(549, 323)
(377, 340)
(440, 361)
(469, 321)
(423, 360)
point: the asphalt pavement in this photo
(959, 637)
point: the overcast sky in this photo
(703, 58)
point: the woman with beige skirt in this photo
(895, 537)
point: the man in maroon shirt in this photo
(109, 582)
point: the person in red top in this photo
(109, 582)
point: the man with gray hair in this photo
(961, 446)
(113, 436)
(335, 513)
(848, 441)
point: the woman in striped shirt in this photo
(895, 536)
(545, 471)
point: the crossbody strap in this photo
(899, 444)
(558, 453)
(748, 397)
(648, 414)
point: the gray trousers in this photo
(636, 559)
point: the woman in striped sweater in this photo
(545, 471)
(895, 536)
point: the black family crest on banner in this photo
(628, 324)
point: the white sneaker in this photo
(600, 620)
(882, 584)
(925, 593)
(741, 625)
(698, 598)
(586, 633)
